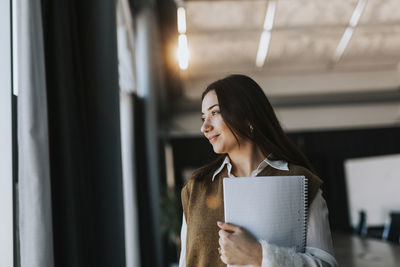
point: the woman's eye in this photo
(215, 112)
(203, 119)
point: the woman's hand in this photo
(237, 246)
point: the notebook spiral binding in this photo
(305, 194)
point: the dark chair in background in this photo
(363, 230)
(392, 228)
(361, 227)
(375, 231)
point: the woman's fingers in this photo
(223, 259)
(239, 247)
(223, 238)
(223, 233)
(223, 243)
(228, 227)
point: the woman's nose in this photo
(206, 126)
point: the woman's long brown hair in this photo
(242, 103)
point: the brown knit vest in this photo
(203, 206)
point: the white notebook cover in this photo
(271, 208)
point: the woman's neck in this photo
(245, 159)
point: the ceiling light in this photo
(355, 18)
(263, 48)
(265, 37)
(357, 13)
(183, 52)
(269, 16)
(181, 20)
(343, 43)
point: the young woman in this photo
(240, 124)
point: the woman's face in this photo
(214, 127)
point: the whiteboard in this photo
(373, 185)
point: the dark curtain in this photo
(146, 235)
(85, 157)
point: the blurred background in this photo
(102, 118)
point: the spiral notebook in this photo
(271, 208)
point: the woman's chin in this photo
(218, 150)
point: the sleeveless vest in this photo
(203, 206)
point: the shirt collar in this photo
(276, 164)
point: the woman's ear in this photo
(251, 127)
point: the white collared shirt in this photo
(319, 249)
(277, 164)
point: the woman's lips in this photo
(213, 138)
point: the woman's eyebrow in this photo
(211, 107)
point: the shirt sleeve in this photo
(319, 248)
(182, 257)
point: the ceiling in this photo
(300, 70)
(224, 36)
